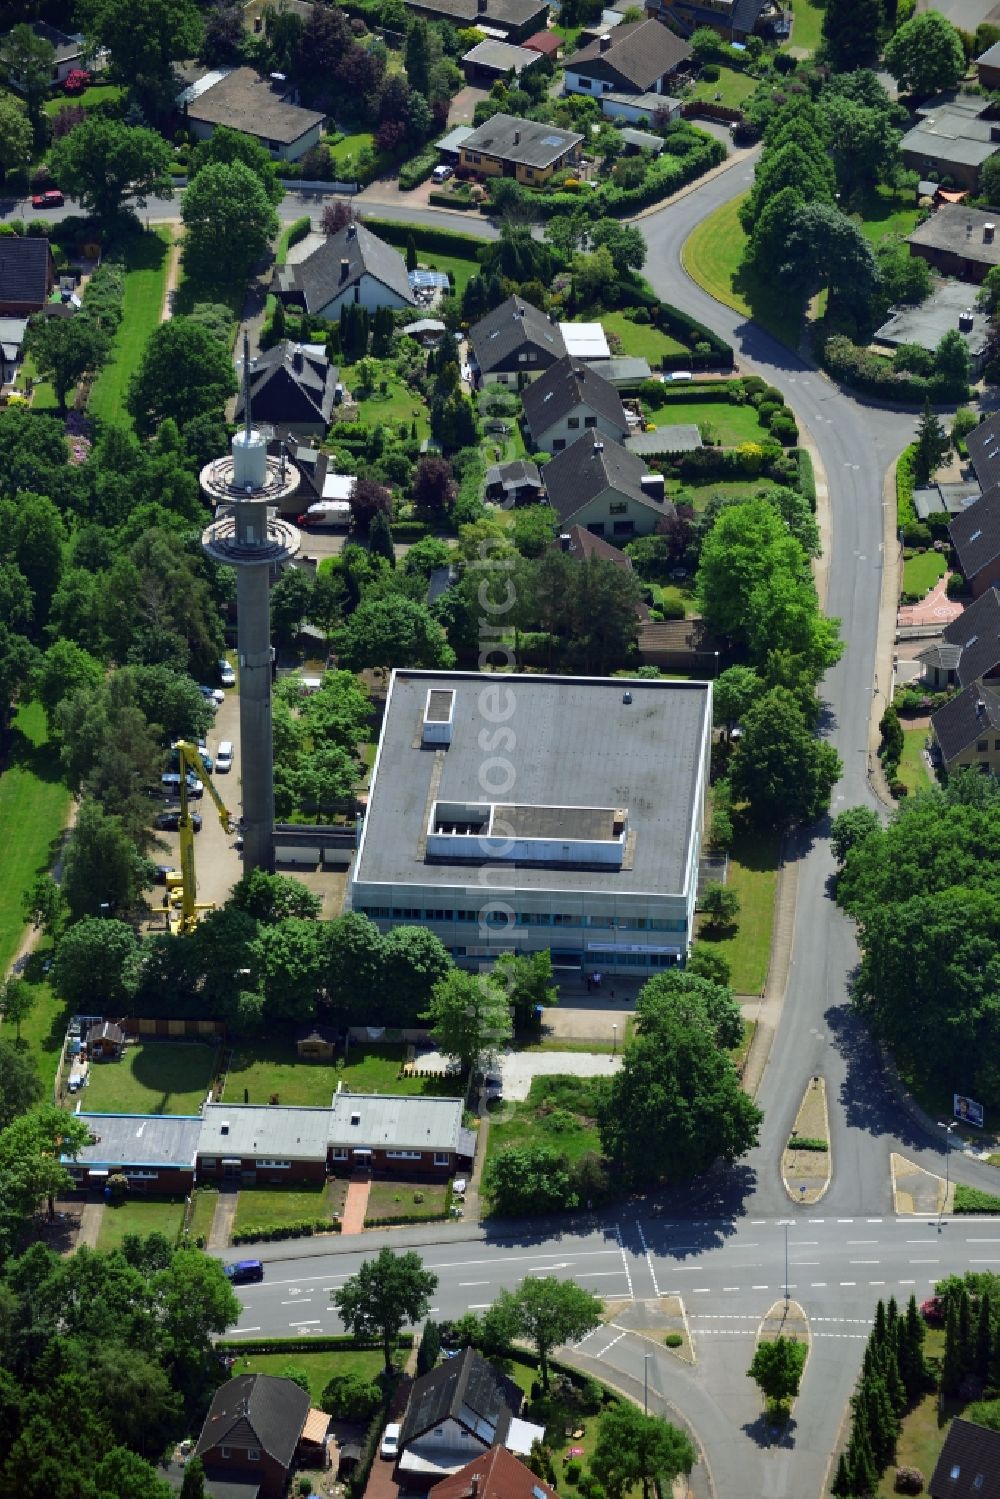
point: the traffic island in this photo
(917, 1192)
(807, 1162)
(663, 1322)
(779, 1359)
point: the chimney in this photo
(965, 321)
(980, 706)
(481, 7)
(345, 268)
(298, 359)
(352, 231)
(517, 137)
(598, 447)
(605, 43)
(565, 541)
(474, 1486)
(988, 232)
(652, 485)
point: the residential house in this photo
(489, 60)
(12, 331)
(509, 20)
(969, 649)
(569, 399)
(262, 107)
(683, 646)
(734, 20)
(969, 1465)
(952, 139)
(666, 441)
(548, 43)
(420, 1137)
(26, 274)
(513, 344)
(292, 386)
(584, 546)
(988, 67)
(975, 535)
(257, 1144)
(252, 1432)
(155, 1153)
(312, 464)
(105, 1040)
(967, 729)
(351, 266)
(602, 486)
(316, 1043)
(516, 483)
(983, 443)
(71, 54)
(637, 58)
(498, 1474)
(458, 1412)
(636, 108)
(951, 305)
(958, 241)
(530, 150)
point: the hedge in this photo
(449, 200)
(807, 1142)
(666, 176)
(973, 1200)
(705, 390)
(905, 484)
(303, 1229)
(397, 1220)
(418, 168)
(856, 367)
(807, 478)
(425, 237)
(410, 530)
(295, 233)
(322, 1343)
(686, 328)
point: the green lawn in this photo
(806, 26)
(374, 1068)
(43, 395)
(462, 267)
(730, 88)
(922, 571)
(34, 801)
(560, 1111)
(273, 1068)
(711, 257)
(698, 494)
(730, 424)
(393, 1199)
(753, 874)
(202, 1213)
(640, 339)
(349, 147)
(259, 1207)
(320, 1367)
(154, 1077)
(45, 1027)
(399, 404)
(913, 770)
(140, 1215)
(146, 259)
(887, 212)
(98, 93)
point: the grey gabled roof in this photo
(958, 230)
(244, 101)
(972, 715)
(991, 57)
(972, 1453)
(513, 475)
(506, 14)
(319, 276)
(290, 383)
(24, 269)
(139, 1140)
(530, 143)
(590, 466)
(501, 56)
(256, 1410)
(983, 443)
(976, 634)
(504, 330)
(975, 534)
(565, 385)
(470, 1391)
(640, 52)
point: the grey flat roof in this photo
(959, 230)
(244, 101)
(653, 102)
(683, 437)
(927, 323)
(951, 135)
(140, 1139)
(394, 1123)
(502, 56)
(454, 139)
(262, 1130)
(644, 139)
(575, 743)
(622, 369)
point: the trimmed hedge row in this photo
(338, 1342)
(293, 235)
(905, 485)
(807, 1142)
(425, 237)
(396, 1220)
(684, 327)
(418, 168)
(303, 1229)
(974, 1200)
(667, 175)
(856, 367)
(410, 530)
(807, 478)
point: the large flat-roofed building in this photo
(517, 813)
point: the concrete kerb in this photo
(885, 636)
(734, 159)
(796, 1194)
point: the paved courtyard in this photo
(936, 609)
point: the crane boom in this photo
(189, 758)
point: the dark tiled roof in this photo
(641, 53)
(513, 475)
(507, 328)
(546, 42)
(975, 535)
(587, 468)
(468, 1390)
(244, 101)
(972, 715)
(24, 270)
(219, 1485)
(319, 276)
(983, 443)
(313, 1032)
(565, 385)
(256, 1410)
(500, 1476)
(976, 634)
(512, 14)
(578, 542)
(290, 383)
(969, 1465)
(530, 143)
(958, 230)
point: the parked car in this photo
(169, 822)
(243, 1271)
(162, 870)
(389, 1447)
(213, 694)
(224, 759)
(53, 198)
(442, 173)
(226, 674)
(171, 780)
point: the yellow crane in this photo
(189, 759)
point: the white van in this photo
(224, 757)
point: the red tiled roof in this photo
(500, 1475)
(546, 42)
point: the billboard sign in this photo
(967, 1110)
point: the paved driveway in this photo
(518, 1069)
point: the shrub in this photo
(784, 429)
(351, 1398)
(916, 534)
(806, 1142)
(673, 1339)
(418, 168)
(909, 1481)
(710, 73)
(572, 1471)
(974, 1200)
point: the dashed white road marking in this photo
(628, 1273)
(649, 1258)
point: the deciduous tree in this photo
(20, 1085)
(15, 133)
(29, 58)
(106, 164)
(777, 1369)
(634, 1448)
(183, 372)
(229, 220)
(548, 1312)
(386, 1293)
(470, 1016)
(925, 55)
(781, 768)
(144, 38)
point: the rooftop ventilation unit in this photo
(439, 715)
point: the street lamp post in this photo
(786, 1269)
(645, 1383)
(947, 1165)
(614, 1045)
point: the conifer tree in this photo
(952, 1369)
(984, 1335)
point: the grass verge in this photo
(147, 257)
(34, 800)
(753, 874)
(319, 1368)
(711, 256)
(913, 770)
(140, 1215)
(202, 1213)
(265, 1207)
